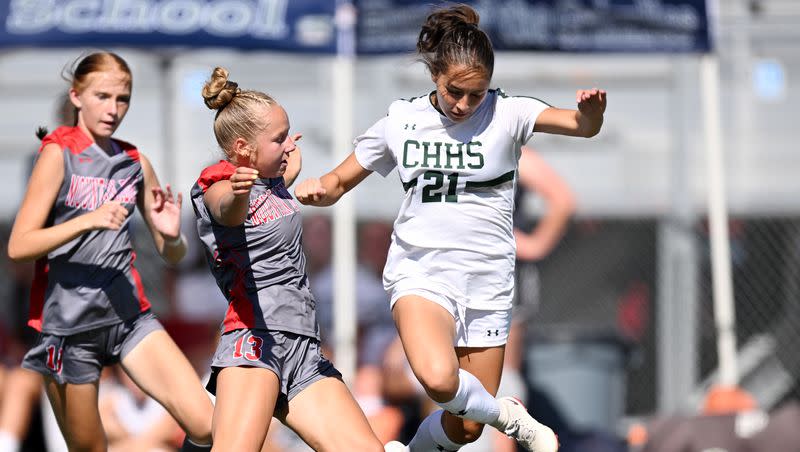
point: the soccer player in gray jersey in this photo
(268, 361)
(450, 268)
(87, 301)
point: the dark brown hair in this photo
(450, 36)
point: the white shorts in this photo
(470, 278)
(474, 327)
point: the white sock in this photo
(9, 443)
(431, 436)
(472, 400)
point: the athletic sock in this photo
(431, 436)
(190, 446)
(472, 401)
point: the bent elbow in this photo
(16, 254)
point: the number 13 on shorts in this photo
(252, 348)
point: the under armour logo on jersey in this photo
(490, 333)
(442, 449)
(413, 127)
(84, 159)
(461, 413)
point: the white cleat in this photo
(516, 422)
(395, 446)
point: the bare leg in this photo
(246, 398)
(328, 418)
(427, 332)
(386, 420)
(157, 366)
(21, 393)
(75, 408)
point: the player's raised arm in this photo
(586, 121)
(228, 200)
(161, 210)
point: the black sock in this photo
(189, 446)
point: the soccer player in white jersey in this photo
(450, 269)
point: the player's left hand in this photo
(165, 212)
(591, 102)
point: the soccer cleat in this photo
(395, 446)
(517, 423)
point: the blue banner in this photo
(291, 25)
(671, 26)
(383, 26)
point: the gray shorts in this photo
(79, 358)
(296, 359)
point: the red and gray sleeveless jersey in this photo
(90, 281)
(259, 265)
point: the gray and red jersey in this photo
(259, 265)
(90, 281)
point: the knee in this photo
(195, 418)
(200, 439)
(200, 430)
(439, 381)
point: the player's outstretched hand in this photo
(591, 102)
(165, 211)
(242, 180)
(310, 191)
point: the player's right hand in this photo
(310, 191)
(110, 215)
(242, 180)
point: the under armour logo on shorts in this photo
(490, 333)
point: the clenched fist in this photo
(242, 180)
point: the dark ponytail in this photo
(451, 37)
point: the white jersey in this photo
(455, 226)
